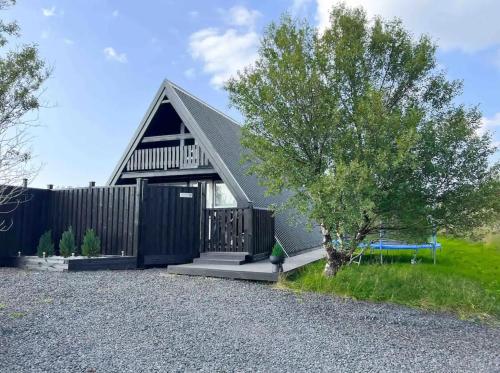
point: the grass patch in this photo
(17, 315)
(464, 281)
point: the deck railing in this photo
(170, 157)
(238, 230)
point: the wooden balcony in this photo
(174, 158)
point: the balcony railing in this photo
(165, 158)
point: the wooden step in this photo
(226, 255)
(186, 269)
(222, 257)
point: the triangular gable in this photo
(166, 92)
(219, 136)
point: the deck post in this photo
(202, 190)
(248, 228)
(141, 185)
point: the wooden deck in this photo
(257, 271)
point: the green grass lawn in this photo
(465, 280)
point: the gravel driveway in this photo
(135, 321)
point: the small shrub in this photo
(91, 244)
(277, 250)
(67, 243)
(45, 244)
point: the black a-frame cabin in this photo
(183, 141)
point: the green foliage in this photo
(17, 315)
(45, 245)
(464, 280)
(277, 250)
(22, 73)
(67, 243)
(362, 126)
(91, 244)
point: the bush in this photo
(45, 245)
(277, 250)
(67, 243)
(91, 244)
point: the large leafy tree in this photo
(22, 73)
(365, 130)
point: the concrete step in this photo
(53, 268)
(34, 263)
(35, 259)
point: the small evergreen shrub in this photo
(67, 243)
(91, 245)
(277, 250)
(45, 245)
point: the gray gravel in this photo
(135, 321)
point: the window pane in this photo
(223, 197)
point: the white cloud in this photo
(299, 6)
(490, 124)
(190, 73)
(468, 26)
(115, 13)
(112, 54)
(194, 14)
(223, 52)
(68, 41)
(49, 12)
(241, 16)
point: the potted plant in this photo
(277, 257)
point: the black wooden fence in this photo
(238, 230)
(158, 224)
(25, 219)
(151, 222)
(110, 211)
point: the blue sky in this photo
(109, 58)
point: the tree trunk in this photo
(334, 258)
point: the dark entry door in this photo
(170, 225)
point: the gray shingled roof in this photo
(224, 136)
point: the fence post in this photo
(25, 183)
(91, 184)
(50, 186)
(248, 228)
(202, 190)
(139, 201)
